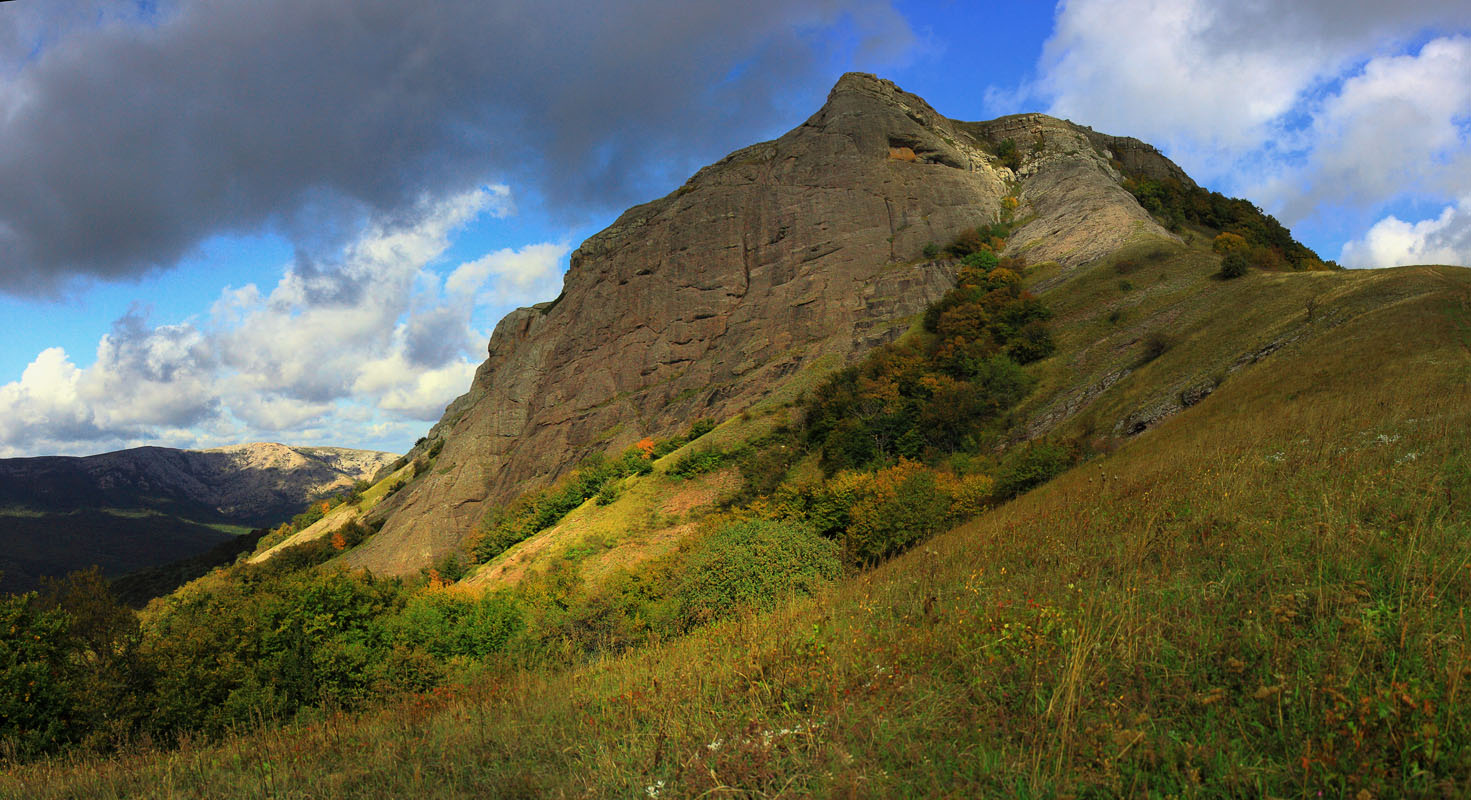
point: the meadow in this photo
(1261, 595)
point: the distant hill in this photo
(138, 508)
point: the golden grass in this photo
(1261, 596)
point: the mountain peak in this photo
(875, 109)
(789, 256)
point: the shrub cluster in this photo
(699, 462)
(874, 515)
(1234, 264)
(1007, 154)
(536, 511)
(753, 564)
(1267, 244)
(76, 667)
(920, 399)
(597, 476)
(1029, 466)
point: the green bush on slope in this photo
(753, 564)
(925, 397)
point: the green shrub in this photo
(447, 624)
(1028, 466)
(1032, 342)
(753, 564)
(698, 462)
(905, 507)
(984, 259)
(700, 428)
(626, 609)
(765, 462)
(610, 493)
(1156, 344)
(35, 700)
(1233, 265)
(1006, 153)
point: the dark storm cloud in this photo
(124, 144)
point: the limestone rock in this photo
(700, 303)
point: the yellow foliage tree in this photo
(1227, 242)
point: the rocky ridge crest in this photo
(786, 255)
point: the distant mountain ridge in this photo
(136, 508)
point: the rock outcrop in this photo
(784, 254)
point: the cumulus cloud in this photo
(132, 132)
(369, 340)
(1395, 126)
(1214, 78)
(44, 404)
(523, 275)
(1393, 242)
(1325, 112)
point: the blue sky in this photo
(278, 220)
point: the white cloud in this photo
(523, 276)
(1153, 68)
(1392, 242)
(1299, 106)
(423, 395)
(1393, 127)
(1212, 75)
(44, 404)
(373, 341)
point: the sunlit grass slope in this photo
(1260, 596)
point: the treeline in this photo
(78, 668)
(1269, 244)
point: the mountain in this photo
(137, 508)
(1205, 535)
(787, 257)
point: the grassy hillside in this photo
(1261, 593)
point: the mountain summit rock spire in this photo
(792, 255)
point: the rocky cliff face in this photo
(786, 252)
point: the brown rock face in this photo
(698, 304)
